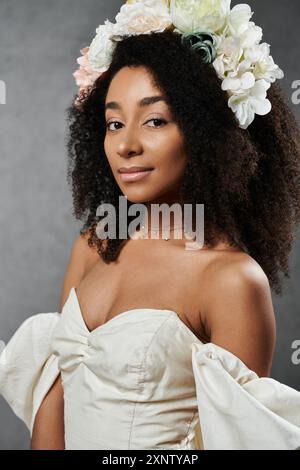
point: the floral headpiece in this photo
(224, 37)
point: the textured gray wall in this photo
(39, 43)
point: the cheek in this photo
(174, 158)
(106, 147)
(108, 151)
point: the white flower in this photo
(238, 20)
(153, 3)
(142, 17)
(253, 101)
(101, 47)
(241, 82)
(229, 53)
(203, 15)
(231, 60)
(263, 63)
(251, 36)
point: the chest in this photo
(144, 277)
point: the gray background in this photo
(39, 43)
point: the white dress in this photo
(143, 380)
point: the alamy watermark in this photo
(296, 93)
(184, 226)
(296, 354)
(3, 359)
(2, 92)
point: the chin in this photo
(136, 198)
(140, 195)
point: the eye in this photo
(111, 122)
(157, 120)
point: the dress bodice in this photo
(129, 383)
(143, 380)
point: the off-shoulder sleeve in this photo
(28, 367)
(238, 410)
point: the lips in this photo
(134, 175)
(134, 169)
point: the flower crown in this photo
(224, 37)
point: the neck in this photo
(156, 222)
(155, 226)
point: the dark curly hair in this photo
(248, 180)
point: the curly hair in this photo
(248, 180)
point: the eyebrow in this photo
(148, 100)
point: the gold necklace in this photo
(156, 231)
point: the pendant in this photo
(154, 232)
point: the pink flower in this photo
(85, 76)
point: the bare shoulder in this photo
(236, 269)
(81, 259)
(238, 311)
(82, 246)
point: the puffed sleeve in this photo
(28, 367)
(238, 410)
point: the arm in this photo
(48, 430)
(239, 314)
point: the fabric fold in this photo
(28, 366)
(238, 410)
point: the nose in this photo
(129, 144)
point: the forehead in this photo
(132, 84)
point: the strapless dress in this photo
(144, 380)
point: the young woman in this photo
(157, 346)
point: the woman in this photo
(155, 339)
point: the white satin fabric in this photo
(143, 380)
